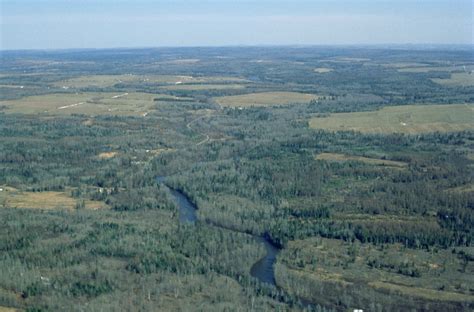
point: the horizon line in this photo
(265, 45)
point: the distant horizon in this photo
(427, 46)
(69, 24)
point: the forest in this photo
(372, 215)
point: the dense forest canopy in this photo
(355, 163)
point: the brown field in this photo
(409, 119)
(6, 309)
(457, 80)
(265, 99)
(13, 198)
(90, 103)
(367, 160)
(107, 155)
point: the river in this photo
(263, 269)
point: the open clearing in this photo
(16, 86)
(182, 61)
(323, 70)
(107, 155)
(13, 198)
(468, 188)
(401, 119)
(403, 64)
(197, 87)
(90, 103)
(265, 99)
(367, 160)
(456, 80)
(428, 294)
(343, 59)
(103, 81)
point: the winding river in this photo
(263, 269)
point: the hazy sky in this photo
(53, 24)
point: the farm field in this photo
(265, 99)
(401, 119)
(11, 197)
(88, 103)
(102, 81)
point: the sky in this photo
(60, 24)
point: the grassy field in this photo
(401, 119)
(367, 160)
(111, 80)
(265, 99)
(90, 103)
(13, 198)
(457, 79)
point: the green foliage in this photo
(90, 289)
(248, 171)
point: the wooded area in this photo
(382, 222)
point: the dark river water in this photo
(187, 211)
(263, 269)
